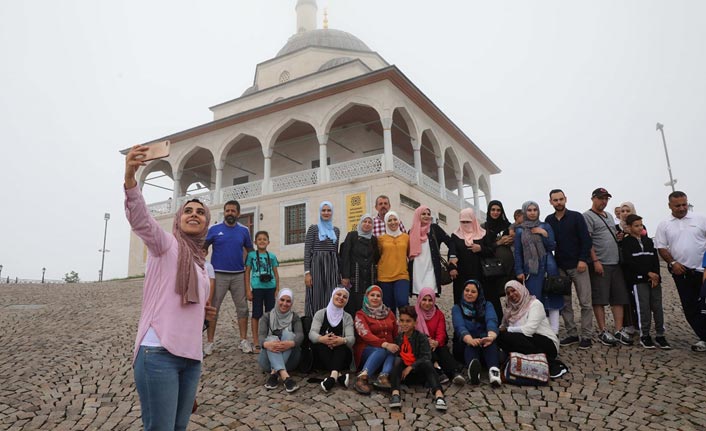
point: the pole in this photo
(660, 127)
(105, 234)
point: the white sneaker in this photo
(494, 376)
(207, 349)
(245, 346)
(699, 346)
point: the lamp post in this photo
(672, 181)
(43, 271)
(0, 271)
(105, 233)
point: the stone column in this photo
(177, 186)
(475, 198)
(387, 162)
(323, 162)
(217, 199)
(440, 174)
(459, 181)
(267, 169)
(418, 164)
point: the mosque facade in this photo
(327, 118)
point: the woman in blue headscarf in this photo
(321, 274)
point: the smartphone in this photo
(158, 150)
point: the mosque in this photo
(327, 118)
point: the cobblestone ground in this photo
(65, 364)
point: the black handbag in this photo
(492, 267)
(556, 285)
(445, 277)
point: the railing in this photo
(430, 185)
(404, 169)
(160, 208)
(241, 191)
(355, 168)
(451, 198)
(296, 180)
(207, 198)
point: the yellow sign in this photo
(355, 208)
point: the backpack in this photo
(526, 370)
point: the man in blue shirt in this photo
(231, 242)
(573, 251)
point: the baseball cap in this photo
(600, 192)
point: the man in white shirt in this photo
(681, 241)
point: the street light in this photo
(105, 233)
(672, 181)
(43, 271)
(0, 271)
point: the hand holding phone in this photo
(158, 150)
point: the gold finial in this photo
(325, 18)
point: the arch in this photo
(452, 168)
(275, 132)
(241, 160)
(470, 184)
(227, 144)
(156, 166)
(196, 166)
(412, 128)
(161, 184)
(332, 115)
(484, 187)
(430, 150)
(404, 135)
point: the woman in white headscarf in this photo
(282, 334)
(359, 259)
(332, 336)
(393, 275)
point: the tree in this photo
(72, 277)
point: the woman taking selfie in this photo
(168, 351)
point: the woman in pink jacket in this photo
(167, 356)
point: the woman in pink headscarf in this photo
(470, 243)
(425, 238)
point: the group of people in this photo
(357, 297)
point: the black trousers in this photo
(692, 301)
(336, 359)
(520, 343)
(446, 361)
(422, 373)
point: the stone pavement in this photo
(66, 352)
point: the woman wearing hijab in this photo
(393, 274)
(332, 338)
(432, 323)
(168, 351)
(321, 272)
(359, 259)
(469, 243)
(425, 238)
(525, 327)
(374, 349)
(476, 328)
(281, 330)
(627, 208)
(534, 243)
(500, 236)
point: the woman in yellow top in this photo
(393, 276)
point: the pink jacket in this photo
(178, 326)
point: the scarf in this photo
(418, 233)
(326, 226)
(377, 313)
(395, 233)
(623, 225)
(279, 320)
(474, 310)
(497, 225)
(469, 231)
(423, 315)
(334, 315)
(190, 252)
(532, 244)
(516, 310)
(361, 232)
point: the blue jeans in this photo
(167, 387)
(395, 294)
(490, 354)
(276, 361)
(375, 357)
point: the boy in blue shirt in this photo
(261, 281)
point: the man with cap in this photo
(607, 282)
(681, 241)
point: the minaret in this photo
(306, 15)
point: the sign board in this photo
(356, 206)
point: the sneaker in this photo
(383, 382)
(699, 346)
(623, 338)
(443, 379)
(494, 377)
(207, 349)
(362, 386)
(557, 369)
(567, 341)
(585, 344)
(440, 404)
(272, 381)
(630, 330)
(395, 401)
(290, 385)
(343, 380)
(458, 380)
(662, 343)
(245, 346)
(328, 383)
(646, 342)
(474, 371)
(607, 339)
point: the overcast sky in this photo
(558, 94)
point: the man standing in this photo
(607, 282)
(231, 242)
(681, 241)
(382, 206)
(573, 252)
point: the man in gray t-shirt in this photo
(607, 283)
